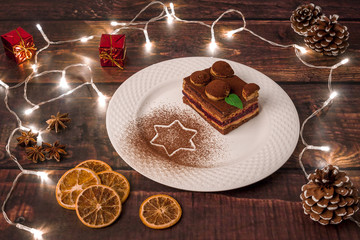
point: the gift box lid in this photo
(114, 41)
(13, 37)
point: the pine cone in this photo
(329, 196)
(304, 17)
(328, 36)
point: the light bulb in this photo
(230, 34)
(38, 27)
(43, 175)
(34, 67)
(302, 49)
(30, 110)
(37, 234)
(344, 61)
(39, 140)
(325, 148)
(170, 19)
(34, 130)
(333, 95)
(212, 45)
(85, 39)
(148, 46)
(63, 82)
(102, 99)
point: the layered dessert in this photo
(220, 97)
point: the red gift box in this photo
(19, 45)
(112, 50)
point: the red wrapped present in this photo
(19, 45)
(112, 50)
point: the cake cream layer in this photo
(224, 121)
(223, 129)
(220, 109)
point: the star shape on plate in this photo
(174, 137)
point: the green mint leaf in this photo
(234, 100)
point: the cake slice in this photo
(205, 91)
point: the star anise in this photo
(35, 153)
(54, 151)
(27, 138)
(56, 122)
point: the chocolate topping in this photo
(200, 78)
(217, 90)
(250, 89)
(221, 69)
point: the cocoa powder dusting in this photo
(141, 131)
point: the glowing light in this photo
(43, 175)
(30, 110)
(212, 45)
(301, 49)
(34, 130)
(38, 27)
(37, 233)
(4, 84)
(333, 95)
(85, 39)
(172, 8)
(325, 148)
(114, 23)
(34, 67)
(39, 140)
(344, 61)
(170, 19)
(230, 34)
(63, 82)
(102, 99)
(148, 46)
(87, 60)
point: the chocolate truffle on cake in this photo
(217, 90)
(221, 69)
(250, 91)
(200, 78)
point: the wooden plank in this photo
(197, 9)
(252, 213)
(87, 137)
(181, 40)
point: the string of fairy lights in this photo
(133, 25)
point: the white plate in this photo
(254, 150)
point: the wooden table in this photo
(269, 209)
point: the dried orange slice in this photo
(117, 182)
(72, 183)
(98, 206)
(160, 211)
(95, 165)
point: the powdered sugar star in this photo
(174, 137)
